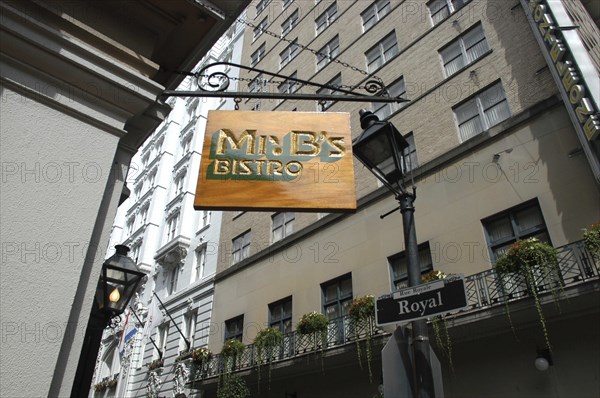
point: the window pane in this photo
(529, 218)
(500, 229)
(330, 293)
(346, 287)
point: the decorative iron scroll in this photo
(215, 84)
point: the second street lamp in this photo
(381, 148)
(118, 282)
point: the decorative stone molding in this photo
(182, 374)
(172, 257)
(154, 383)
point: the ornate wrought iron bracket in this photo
(215, 85)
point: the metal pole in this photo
(422, 360)
(89, 352)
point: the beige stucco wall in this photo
(449, 209)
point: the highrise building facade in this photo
(176, 245)
(496, 156)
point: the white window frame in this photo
(324, 20)
(162, 333)
(173, 280)
(260, 28)
(328, 52)
(378, 55)
(189, 329)
(200, 265)
(442, 9)
(289, 53)
(382, 109)
(290, 23)
(478, 107)
(258, 55)
(261, 6)
(283, 222)
(374, 13)
(464, 50)
(172, 227)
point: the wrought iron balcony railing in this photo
(484, 290)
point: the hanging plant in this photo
(200, 358)
(314, 324)
(183, 355)
(233, 349)
(362, 312)
(157, 363)
(439, 323)
(232, 386)
(591, 238)
(524, 258)
(99, 387)
(266, 341)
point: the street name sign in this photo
(422, 301)
(276, 161)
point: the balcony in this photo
(485, 290)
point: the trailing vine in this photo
(591, 237)
(314, 324)
(439, 322)
(265, 342)
(230, 384)
(362, 312)
(523, 258)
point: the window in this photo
(399, 266)
(464, 50)
(289, 23)
(289, 86)
(173, 278)
(205, 217)
(520, 222)
(151, 179)
(256, 106)
(335, 82)
(257, 84)
(260, 28)
(384, 110)
(188, 330)
(288, 54)
(111, 364)
(411, 151)
(374, 13)
(144, 214)
(241, 247)
(327, 18)
(440, 9)
(481, 112)
(337, 296)
(234, 328)
(328, 52)
(179, 182)
(161, 340)
(261, 5)
(258, 55)
(287, 3)
(130, 225)
(382, 52)
(135, 252)
(172, 227)
(280, 315)
(283, 225)
(200, 263)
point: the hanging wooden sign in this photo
(276, 161)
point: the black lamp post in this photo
(117, 284)
(381, 149)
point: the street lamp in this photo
(118, 282)
(381, 149)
